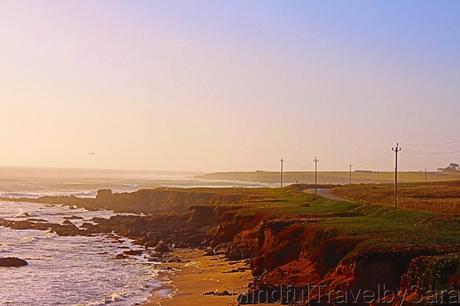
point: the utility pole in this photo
(350, 172)
(316, 174)
(426, 176)
(281, 176)
(396, 149)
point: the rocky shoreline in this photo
(288, 256)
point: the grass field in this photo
(333, 177)
(370, 214)
(380, 226)
(438, 197)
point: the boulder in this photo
(121, 256)
(162, 247)
(12, 262)
(73, 218)
(103, 195)
(218, 293)
(133, 252)
(36, 220)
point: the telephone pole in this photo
(396, 149)
(281, 172)
(350, 172)
(426, 176)
(316, 174)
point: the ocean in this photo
(76, 270)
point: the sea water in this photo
(77, 270)
(69, 270)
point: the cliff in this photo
(159, 200)
(302, 248)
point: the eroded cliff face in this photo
(297, 260)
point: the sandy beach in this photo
(198, 274)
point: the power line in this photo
(431, 144)
(297, 164)
(431, 152)
(382, 157)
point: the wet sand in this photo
(197, 274)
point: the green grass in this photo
(309, 206)
(399, 226)
(379, 227)
(290, 201)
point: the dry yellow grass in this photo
(329, 177)
(439, 197)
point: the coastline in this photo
(291, 238)
(197, 274)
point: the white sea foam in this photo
(22, 213)
(69, 270)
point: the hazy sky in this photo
(228, 85)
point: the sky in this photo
(229, 85)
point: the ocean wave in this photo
(75, 193)
(21, 213)
(36, 195)
(76, 261)
(116, 297)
